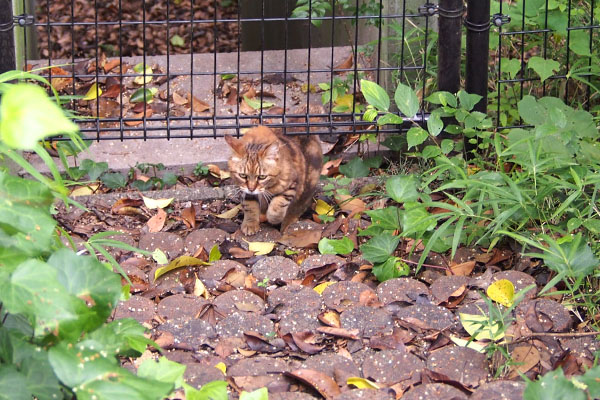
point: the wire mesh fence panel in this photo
(544, 48)
(145, 69)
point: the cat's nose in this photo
(252, 186)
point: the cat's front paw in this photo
(250, 228)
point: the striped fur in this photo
(277, 174)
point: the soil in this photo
(262, 316)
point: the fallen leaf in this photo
(322, 286)
(362, 383)
(141, 79)
(221, 367)
(322, 208)
(502, 291)
(156, 203)
(524, 357)
(127, 207)
(480, 327)
(230, 213)
(111, 64)
(322, 383)
(200, 289)
(182, 261)
(462, 269)
(302, 341)
(353, 205)
(471, 344)
(196, 104)
(301, 238)
(346, 64)
(330, 318)
(237, 252)
(260, 343)
(330, 168)
(156, 223)
(189, 216)
(85, 190)
(260, 248)
(93, 92)
(179, 99)
(341, 332)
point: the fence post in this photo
(7, 41)
(478, 39)
(449, 43)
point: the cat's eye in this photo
(262, 177)
(243, 176)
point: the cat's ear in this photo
(272, 151)
(236, 144)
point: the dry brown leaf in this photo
(346, 64)
(301, 238)
(111, 64)
(330, 318)
(341, 332)
(353, 205)
(237, 252)
(127, 207)
(331, 167)
(462, 269)
(179, 99)
(524, 358)
(112, 91)
(189, 216)
(250, 93)
(246, 109)
(157, 222)
(324, 384)
(197, 105)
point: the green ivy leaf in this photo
(369, 115)
(579, 42)
(544, 68)
(395, 142)
(415, 136)
(169, 178)
(138, 96)
(553, 385)
(94, 169)
(13, 385)
(375, 95)
(592, 379)
(120, 337)
(443, 98)
(447, 145)
(258, 394)
(114, 180)
(336, 246)
(402, 188)
(215, 390)
(415, 220)
(355, 168)
(392, 268)
(406, 100)
(531, 112)
(28, 116)
(431, 152)
(379, 248)
(164, 370)
(511, 66)
(468, 100)
(387, 218)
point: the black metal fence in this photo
(203, 68)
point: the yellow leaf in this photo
(502, 291)
(139, 80)
(361, 383)
(230, 213)
(200, 289)
(345, 101)
(84, 190)
(480, 327)
(260, 248)
(158, 203)
(183, 261)
(470, 344)
(322, 208)
(93, 92)
(322, 286)
(221, 367)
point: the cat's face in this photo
(253, 166)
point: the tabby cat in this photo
(277, 174)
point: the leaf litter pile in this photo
(305, 317)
